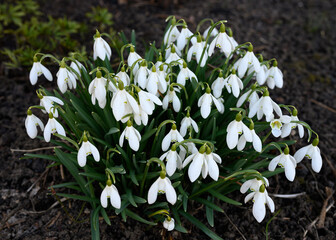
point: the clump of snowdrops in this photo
(152, 137)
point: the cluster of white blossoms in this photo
(140, 87)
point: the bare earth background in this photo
(300, 34)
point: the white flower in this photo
(191, 148)
(110, 191)
(48, 102)
(185, 74)
(154, 80)
(86, 149)
(253, 185)
(37, 70)
(132, 58)
(163, 83)
(123, 104)
(132, 135)
(256, 142)
(65, 79)
(223, 42)
(186, 123)
(148, 101)
(247, 61)
(311, 151)
(234, 83)
(206, 101)
(169, 50)
(218, 85)
(173, 161)
(182, 39)
(172, 136)
(173, 57)
(123, 76)
(31, 124)
(77, 66)
(162, 185)
(213, 33)
(171, 97)
(234, 129)
(101, 48)
(171, 35)
(285, 161)
(97, 89)
(52, 127)
(197, 50)
(287, 128)
(141, 117)
(140, 77)
(276, 124)
(264, 106)
(250, 95)
(261, 76)
(169, 223)
(274, 76)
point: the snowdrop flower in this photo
(162, 185)
(234, 129)
(110, 191)
(218, 85)
(285, 161)
(262, 75)
(163, 83)
(132, 135)
(172, 136)
(287, 128)
(264, 106)
(37, 70)
(247, 61)
(234, 83)
(260, 199)
(191, 149)
(65, 78)
(132, 58)
(52, 127)
(185, 74)
(154, 80)
(311, 151)
(141, 117)
(186, 123)
(77, 66)
(253, 185)
(183, 38)
(172, 33)
(169, 49)
(31, 124)
(101, 49)
(274, 76)
(48, 102)
(123, 76)
(140, 77)
(276, 124)
(169, 223)
(86, 149)
(173, 160)
(250, 95)
(173, 57)
(123, 103)
(171, 97)
(206, 101)
(210, 167)
(223, 42)
(197, 50)
(147, 101)
(213, 33)
(256, 142)
(97, 89)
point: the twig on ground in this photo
(37, 180)
(333, 169)
(295, 195)
(241, 234)
(51, 207)
(9, 215)
(323, 105)
(33, 150)
(329, 193)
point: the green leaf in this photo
(78, 197)
(105, 216)
(223, 198)
(94, 219)
(209, 204)
(97, 176)
(47, 157)
(112, 131)
(138, 218)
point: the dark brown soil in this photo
(300, 34)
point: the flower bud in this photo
(250, 48)
(109, 182)
(98, 74)
(239, 117)
(315, 142)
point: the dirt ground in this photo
(299, 34)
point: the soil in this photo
(300, 34)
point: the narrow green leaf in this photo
(94, 219)
(138, 218)
(105, 216)
(223, 198)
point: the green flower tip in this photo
(122, 69)
(208, 90)
(295, 112)
(35, 59)
(188, 114)
(120, 85)
(173, 21)
(185, 64)
(98, 74)
(208, 150)
(315, 142)
(233, 71)
(132, 49)
(174, 127)
(159, 58)
(222, 28)
(229, 31)
(168, 218)
(251, 127)
(220, 74)
(51, 115)
(173, 148)
(275, 63)
(129, 123)
(239, 117)
(262, 188)
(109, 182)
(202, 149)
(171, 88)
(29, 112)
(62, 64)
(173, 49)
(144, 63)
(40, 96)
(266, 93)
(254, 86)
(199, 38)
(97, 35)
(162, 174)
(161, 68)
(286, 151)
(153, 68)
(250, 48)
